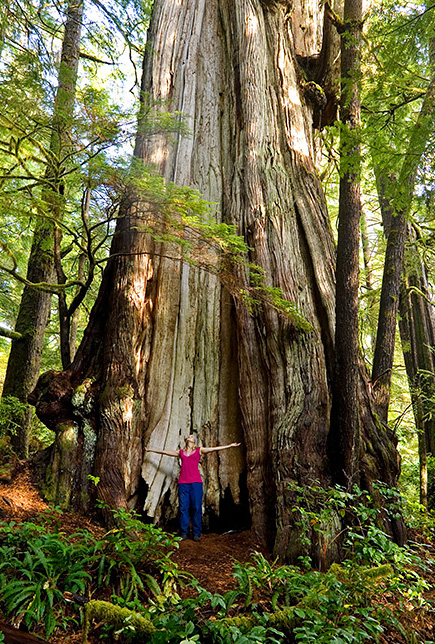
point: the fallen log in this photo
(15, 636)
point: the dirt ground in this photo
(211, 560)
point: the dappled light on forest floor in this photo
(19, 499)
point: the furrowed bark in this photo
(345, 433)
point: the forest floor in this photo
(210, 561)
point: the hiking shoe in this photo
(197, 538)
(183, 537)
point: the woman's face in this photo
(190, 440)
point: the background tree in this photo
(49, 159)
(405, 114)
(25, 355)
(345, 411)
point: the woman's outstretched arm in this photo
(206, 450)
(166, 452)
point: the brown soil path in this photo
(211, 560)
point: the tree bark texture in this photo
(346, 419)
(25, 355)
(167, 351)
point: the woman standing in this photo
(190, 489)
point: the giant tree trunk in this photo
(33, 315)
(167, 351)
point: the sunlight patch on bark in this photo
(251, 24)
(159, 154)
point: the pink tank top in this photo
(189, 467)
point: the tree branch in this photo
(8, 333)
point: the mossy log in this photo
(375, 573)
(285, 620)
(117, 617)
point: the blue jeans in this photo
(190, 496)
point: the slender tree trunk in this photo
(368, 272)
(393, 266)
(417, 332)
(417, 319)
(370, 294)
(422, 453)
(345, 412)
(167, 351)
(81, 271)
(25, 355)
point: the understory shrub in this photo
(352, 603)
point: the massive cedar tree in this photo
(167, 349)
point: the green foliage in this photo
(35, 569)
(126, 556)
(41, 436)
(354, 513)
(272, 603)
(98, 141)
(38, 566)
(10, 409)
(268, 604)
